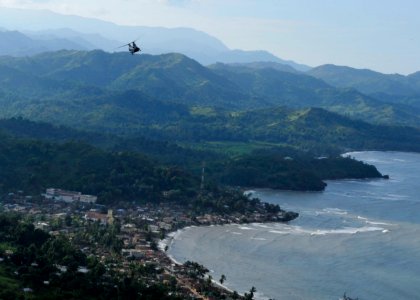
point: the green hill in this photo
(277, 87)
(308, 129)
(172, 77)
(66, 77)
(391, 88)
(116, 175)
(129, 96)
(32, 166)
(364, 80)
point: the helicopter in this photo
(132, 47)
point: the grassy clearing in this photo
(233, 149)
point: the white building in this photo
(68, 196)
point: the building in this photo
(136, 253)
(96, 216)
(43, 226)
(68, 196)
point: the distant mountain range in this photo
(178, 79)
(18, 44)
(89, 34)
(394, 88)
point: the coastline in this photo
(171, 236)
(266, 214)
(370, 205)
(168, 240)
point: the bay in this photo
(358, 236)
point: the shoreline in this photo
(168, 240)
(171, 236)
(265, 216)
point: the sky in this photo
(382, 35)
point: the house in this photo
(136, 253)
(96, 216)
(154, 228)
(43, 226)
(163, 225)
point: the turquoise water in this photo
(358, 236)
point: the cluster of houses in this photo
(141, 228)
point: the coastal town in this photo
(132, 237)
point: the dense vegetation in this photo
(33, 166)
(301, 172)
(163, 151)
(368, 81)
(180, 114)
(171, 97)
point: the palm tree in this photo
(250, 296)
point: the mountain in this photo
(18, 44)
(262, 65)
(131, 114)
(97, 34)
(66, 75)
(299, 90)
(364, 80)
(243, 57)
(90, 41)
(172, 77)
(173, 98)
(391, 88)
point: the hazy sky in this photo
(382, 35)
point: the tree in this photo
(209, 280)
(68, 220)
(235, 295)
(250, 296)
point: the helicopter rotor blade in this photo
(128, 43)
(122, 46)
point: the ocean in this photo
(361, 237)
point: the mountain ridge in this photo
(365, 80)
(176, 78)
(154, 40)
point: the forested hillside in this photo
(109, 110)
(60, 78)
(33, 166)
(119, 172)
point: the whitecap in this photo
(335, 211)
(347, 230)
(392, 197)
(237, 233)
(279, 232)
(379, 223)
(261, 225)
(245, 228)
